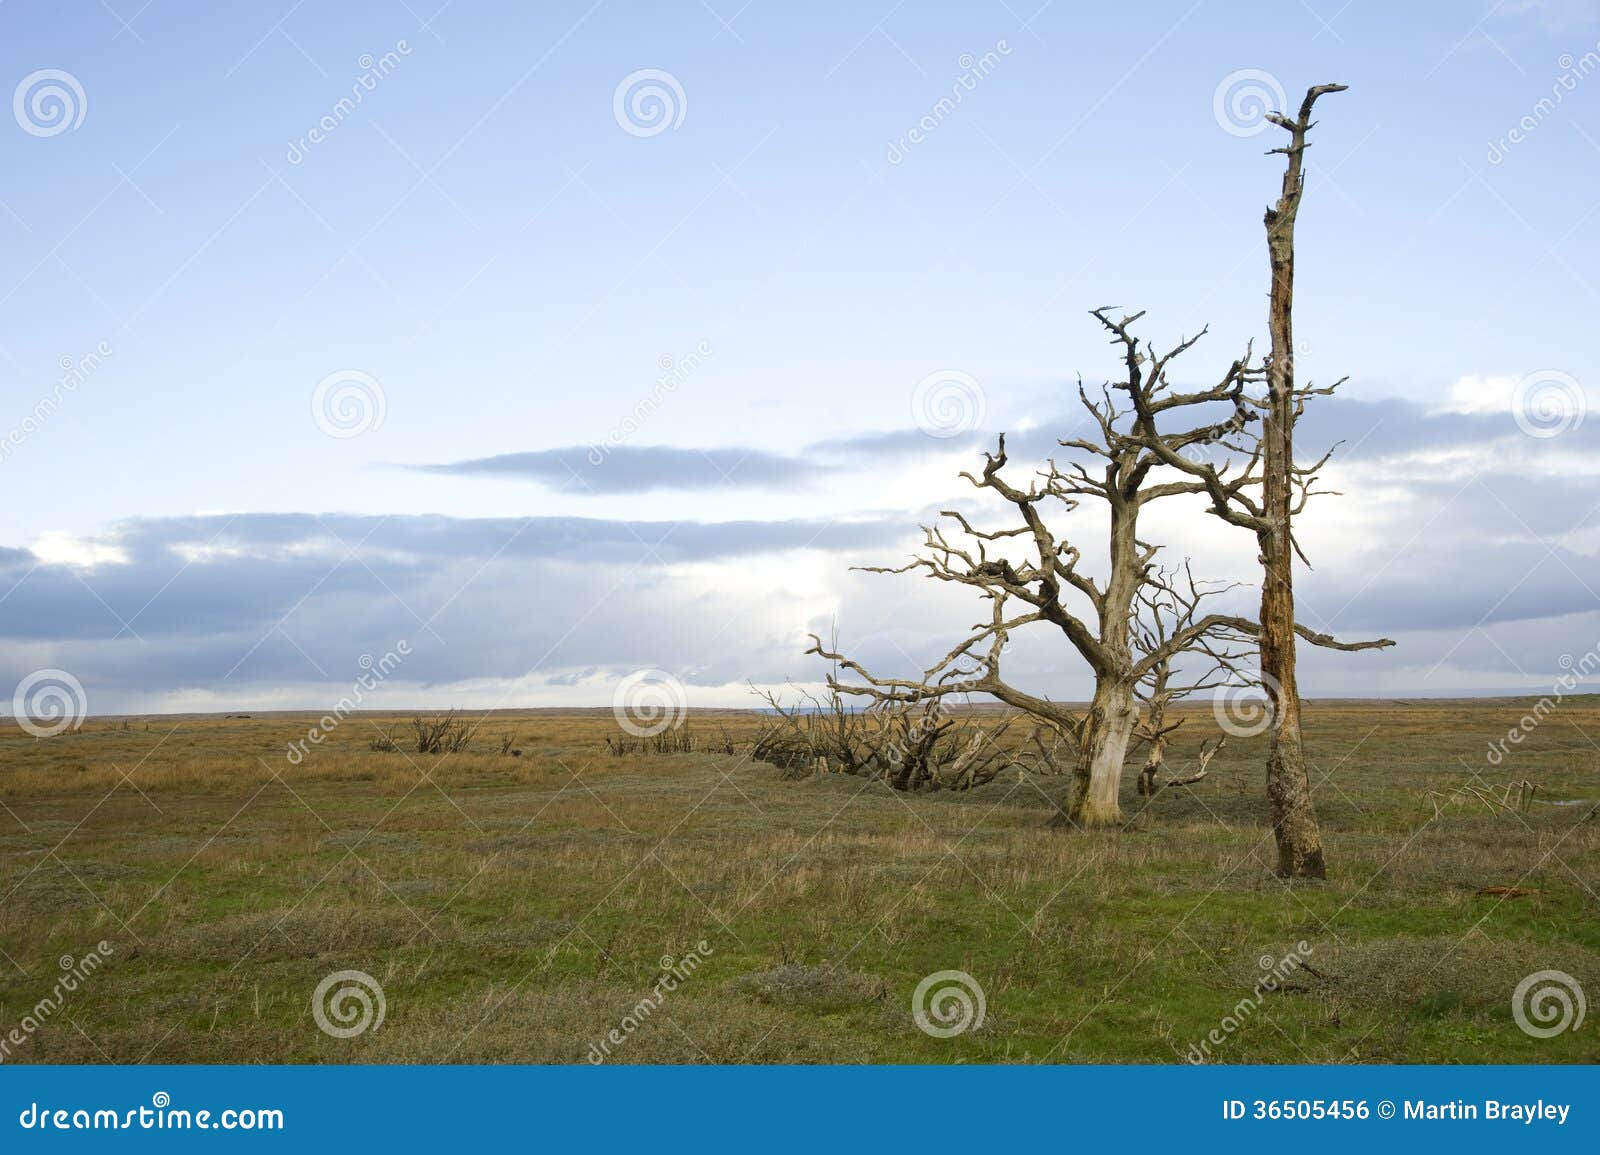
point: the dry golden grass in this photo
(517, 908)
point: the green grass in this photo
(518, 909)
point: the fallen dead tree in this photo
(907, 746)
(440, 734)
(1509, 798)
(682, 740)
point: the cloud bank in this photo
(1460, 535)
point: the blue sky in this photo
(482, 241)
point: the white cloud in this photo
(1474, 394)
(60, 548)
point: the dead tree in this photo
(1284, 490)
(1173, 600)
(922, 746)
(1294, 820)
(440, 734)
(1028, 565)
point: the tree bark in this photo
(1156, 757)
(1102, 749)
(1294, 818)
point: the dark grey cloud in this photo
(419, 537)
(1366, 428)
(635, 468)
(1362, 430)
(1387, 428)
(1481, 569)
(219, 603)
(626, 469)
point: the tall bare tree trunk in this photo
(1294, 819)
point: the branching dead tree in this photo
(1171, 601)
(1027, 565)
(1152, 441)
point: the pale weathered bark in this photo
(1102, 750)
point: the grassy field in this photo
(520, 908)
